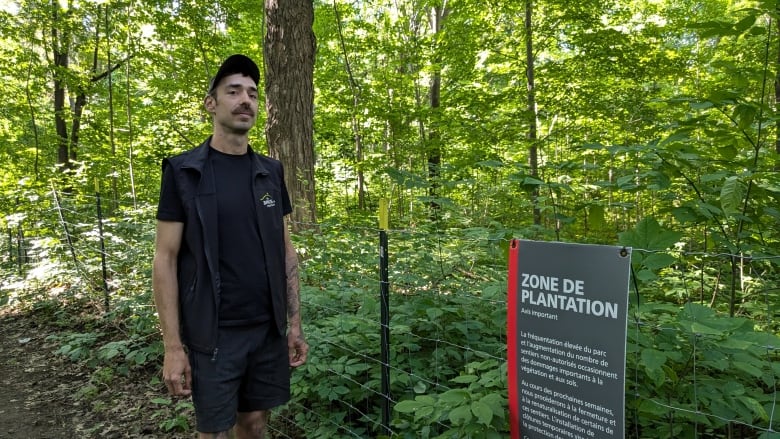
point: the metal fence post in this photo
(106, 296)
(384, 293)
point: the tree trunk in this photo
(356, 133)
(67, 143)
(777, 97)
(81, 100)
(289, 99)
(59, 48)
(114, 204)
(437, 17)
(75, 131)
(533, 159)
(33, 121)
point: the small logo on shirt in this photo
(267, 200)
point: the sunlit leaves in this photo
(731, 196)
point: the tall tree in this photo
(60, 48)
(289, 99)
(533, 157)
(68, 79)
(437, 15)
(355, 116)
(777, 89)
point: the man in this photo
(225, 273)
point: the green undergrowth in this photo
(697, 365)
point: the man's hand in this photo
(297, 347)
(177, 373)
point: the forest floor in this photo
(45, 395)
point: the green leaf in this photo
(340, 390)
(769, 182)
(645, 275)
(745, 115)
(708, 210)
(596, 216)
(658, 376)
(408, 406)
(745, 23)
(685, 214)
(655, 261)
(727, 151)
(649, 235)
(732, 388)
(701, 105)
(681, 135)
(627, 182)
(490, 164)
(434, 313)
(465, 379)
(731, 195)
(722, 409)
(407, 179)
(460, 415)
(424, 412)
(482, 411)
(748, 368)
(454, 397)
(653, 359)
(725, 96)
(698, 312)
(698, 328)
(531, 181)
(713, 28)
(109, 353)
(651, 408)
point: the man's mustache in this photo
(244, 109)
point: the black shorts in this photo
(251, 371)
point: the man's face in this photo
(233, 104)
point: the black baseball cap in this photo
(235, 64)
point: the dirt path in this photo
(46, 396)
(35, 401)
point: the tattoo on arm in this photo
(293, 286)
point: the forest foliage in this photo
(649, 123)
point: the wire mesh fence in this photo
(702, 350)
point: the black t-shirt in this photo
(245, 297)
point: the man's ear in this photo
(209, 102)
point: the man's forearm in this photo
(293, 290)
(293, 281)
(166, 299)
